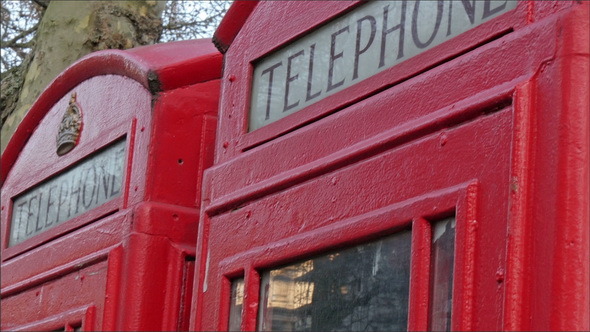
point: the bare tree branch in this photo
(13, 42)
(192, 19)
(4, 62)
(19, 21)
(183, 19)
(42, 3)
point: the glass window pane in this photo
(443, 258)
(94, 181)
(364, 288)
(236, 305)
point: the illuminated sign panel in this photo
(374, 37)
(93, 182)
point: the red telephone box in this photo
(101, 192)
(398, 165)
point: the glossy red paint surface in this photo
(127, 264)
(491, 126)
(232, 22)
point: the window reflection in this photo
(364, 288)
(236, 305)
(441, 292)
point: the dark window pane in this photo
(364, 288)
(236, 305)
(443, 258)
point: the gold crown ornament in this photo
(70, 127)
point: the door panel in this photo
(460, 171)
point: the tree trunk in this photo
(72, 29)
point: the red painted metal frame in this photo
(548, 245)
(520, 87)
(232, 22)
(279, 243)
(68, 321)
(163, 100)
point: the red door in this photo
(419, 194)
(422, 197)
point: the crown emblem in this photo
(70, 127)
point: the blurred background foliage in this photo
(181, 20)
(40, 38)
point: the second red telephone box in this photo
(101, 192)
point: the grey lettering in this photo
(20, 210)
(89, 182)
(290, 79)
(75, 189)
(29, 219)
(270, 70)
(385, 31)
(105, 183)
(309, 96)
(333, 57)
(415, 24)
(116, 181)
(68, 194)
(62, 196)
(50, 203)
(488, 11)
(37, 226)
(358, 51)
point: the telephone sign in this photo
(93, 182)
(355, 46)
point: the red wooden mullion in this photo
(420, 275)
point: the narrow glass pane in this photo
(443, 258)
(236, 305)
(364, 288)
